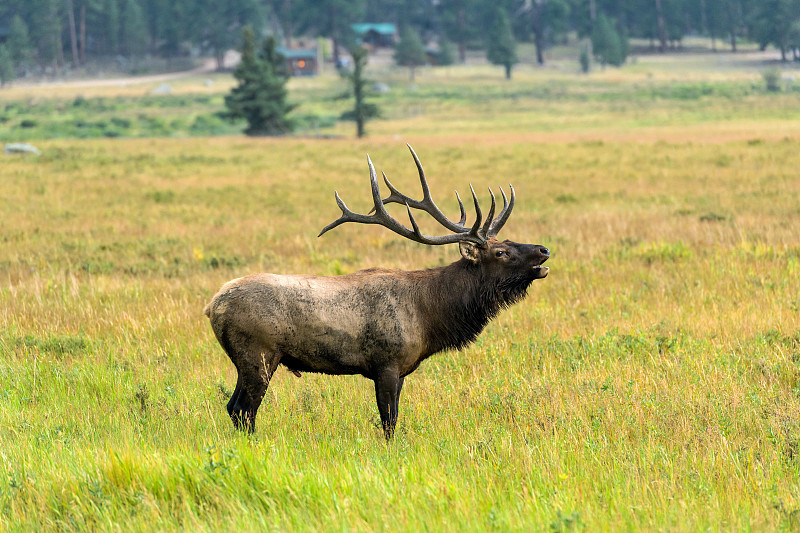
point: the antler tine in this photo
(508, 205)
(489, 217)
(426, 192)
(478, 214)
(463, 212)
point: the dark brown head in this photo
(500, 259)
(505, 268)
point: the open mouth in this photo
(539, 270)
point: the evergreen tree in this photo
(363, 110)
(462, 22)
(501, 49)
(6, 65)
(111, 26)
(447, 53)
(134, 29)
(547, 19)
(45, 26)
(607, 43)
(260, 96)
(409, 51)
(19, 42)
(772, 23)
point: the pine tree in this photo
(607, 43)
(134, 29)
(260, 96)
(409, 51)
(6, 65)
(501, 49)
(19, 42)
(363, 110)
(111, 26)
(447, 53)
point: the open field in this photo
(651, 382)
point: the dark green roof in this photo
(383, 28)
(297, 53)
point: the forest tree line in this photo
(47, 35)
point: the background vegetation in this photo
(56, 37)
(651, 382)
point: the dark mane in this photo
(461, 300)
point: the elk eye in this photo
(500, 253)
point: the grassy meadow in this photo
(650, 382)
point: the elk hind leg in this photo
(234, 397)
(252, 383)
(387, 395)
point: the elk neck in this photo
(457, 301)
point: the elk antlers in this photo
(477, 233)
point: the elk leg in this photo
(387, 394)
(254, 378)
(235, 398)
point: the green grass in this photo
(651, 382)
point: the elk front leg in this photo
(387, 394)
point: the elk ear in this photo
(469, 251)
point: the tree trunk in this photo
(59, 53)
(508, 71)
(732, 25)
(411, 77)
(334, 35)
(287, 22)
(82, 51)
(662, 33)
(73, 33)
(538, 33)
(462, 45)
(537, 41)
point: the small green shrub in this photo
(566, 199)
(56, 344)
(584, 59)
(772, 79)
(120, 122)
(161, 197)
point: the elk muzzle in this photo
(537, 255)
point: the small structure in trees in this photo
(301, 61)
(380, 35)
(260, 96)
(410, 52)
(501, 48)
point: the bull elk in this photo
(380, 323)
